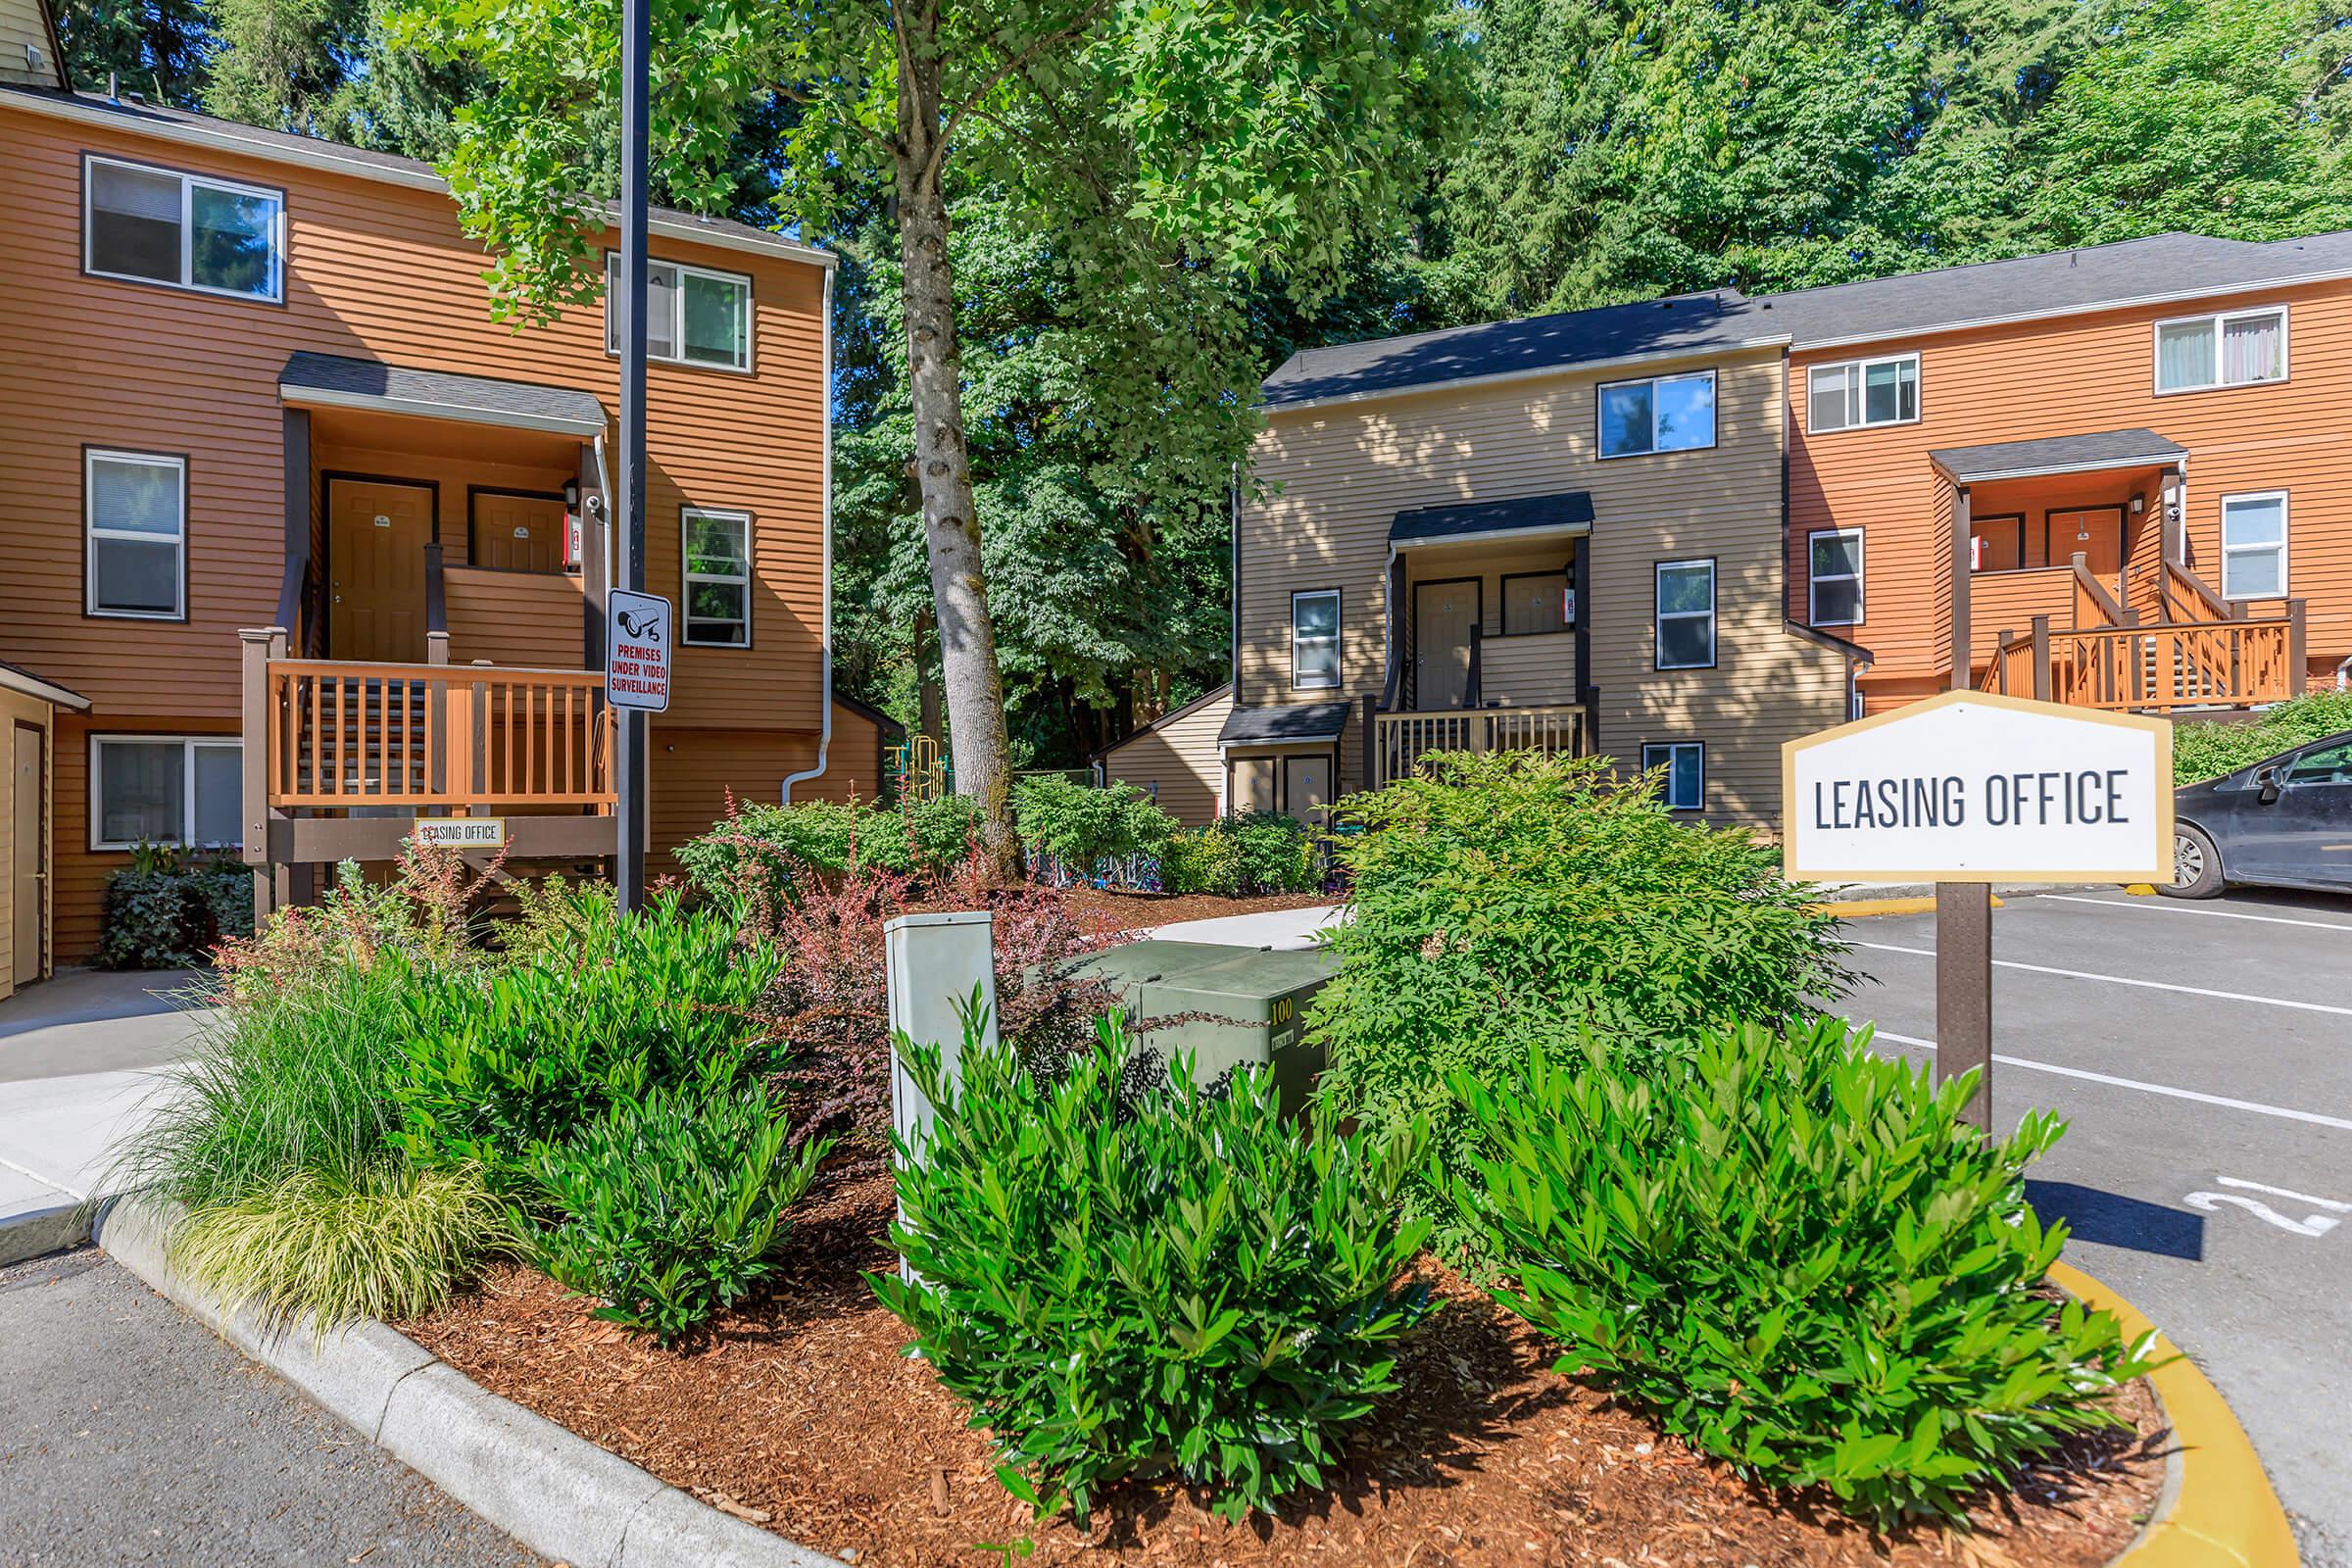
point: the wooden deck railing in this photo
(343, 735)
(2199, 664)
(1401, 740)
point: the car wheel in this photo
(2197, 865)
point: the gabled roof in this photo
(1425, 525)
(312, 152)
(1276, 723)
(334, 381)
(17, 678)
(2058, 453)
(1166, 720)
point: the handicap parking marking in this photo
(2124, 980)
(2171, 906)
(2310, 1225)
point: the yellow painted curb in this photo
(2222, 1510)
(2141, 890)
(1859, 908)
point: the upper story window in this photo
(1836, 576)
(1861, 392)
(1315, 640)
(2254, 545)
(2237, 348)
(155, 788)
(692, 315)
(1686, 599)
(158, 226)
(1664, 414)
(136, 519)
(718, 578)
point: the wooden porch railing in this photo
(343, 735)
(2174, 664)
(1401, 740)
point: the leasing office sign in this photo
(1975, 787)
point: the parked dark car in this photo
(2284, 823)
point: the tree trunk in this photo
(926, 683)
(968, 641)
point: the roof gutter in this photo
(1713, 350)
(2153, 460)
(468, 413)
(31, 685)
(825, 726)
(1557, 530)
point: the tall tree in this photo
(326, 68)
(1240, 137)
(156, 46)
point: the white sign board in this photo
(460, 832)
(1975, 787)
(637, 651)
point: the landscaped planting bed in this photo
(1124, 910)
(798, 1412)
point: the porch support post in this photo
(296, 424)
(2041, 657)
(2298, 676)
(260, 645)
(2174, 518)
(1999, 670)
(1580, 580)
(596, 565)
(1392, 689)
(1371, 717)
(1961, 630)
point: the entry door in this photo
(1252, 784)
(375, 539)
(1306, 787)
(1443, 614)
(28, 876)
(2097, 532)
(516, 532)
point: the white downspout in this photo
(824, 733)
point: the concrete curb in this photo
(558, 1494)
(2217, 1509)
(35, 1232)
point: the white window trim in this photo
(688, 576)
(1660, 614)
(1856, 399)
(187, 230)
(2286, 536)
(677, 314)
(189, 746)
(91, 533)
(1666, 797)
(1654, 450)
(1336, 609)
(2219, 320)
(1812, 582)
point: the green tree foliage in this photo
(158, 47)
(326, 68)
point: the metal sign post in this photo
(1967, 789)
(636, 31)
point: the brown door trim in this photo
(43, 937)
(1478, 616)
(328, 479)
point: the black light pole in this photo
(635, 128)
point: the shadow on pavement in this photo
(2113, 1220)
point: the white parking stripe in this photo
(2284, 1192)
(2125, 980)
(2282, 1111)
(2167, 907)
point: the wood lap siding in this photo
(2073, 376)
(1177, 761)
(513, 617)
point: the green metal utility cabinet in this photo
(1227, 1006)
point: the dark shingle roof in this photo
(2058, 453)
(1686, 323)
(1430, 525)
(1284, 721)
(440, 393)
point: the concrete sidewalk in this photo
(1283, 929)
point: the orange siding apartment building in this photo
(255, 383)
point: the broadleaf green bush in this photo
(1082, 826)
(761, 852)
(1244, 854)
(2203, 749)
(1125, 1276)
(169, 906)
(1796, 1256)
(668, 1206)
(1508, 899)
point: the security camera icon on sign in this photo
(641, 624)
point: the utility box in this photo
(1223, 1006)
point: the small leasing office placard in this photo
(1974, 787)
(460, 832)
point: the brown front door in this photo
(28, 876)
(375, 539)
(2097, 533)
(1443, 614)
(517, 532)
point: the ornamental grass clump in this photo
(1796, 1256)
(1126, 1276)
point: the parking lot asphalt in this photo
(2202, 1055)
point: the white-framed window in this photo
(1685, 614)
(1862, 392)
(1663, 413)
(1835, 576)
(2254, 545)
(2235, 348)
(1315, 640)
(693, 314)
(135, 527)
(717, 555)
(159, 226)
(166, 789)
(1685, 768)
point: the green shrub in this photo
(1795, 1256)
(1248, 852)
(1082, 826)
(168, 907)
(759, 853)
(500, 1061)
(2203, 750)
(669, 1205)
(1181, 1283)
(383, 1241)
(1205, 862)
(1509, 898)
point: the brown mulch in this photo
(799, 1413)
(1128, 911)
